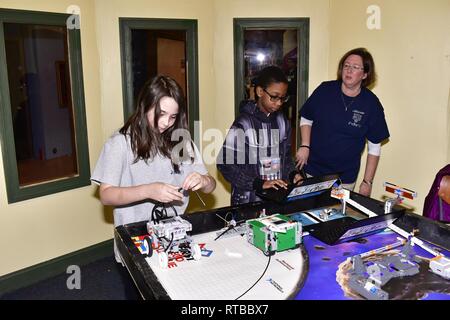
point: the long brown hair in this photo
(368, 65)
(146, 140)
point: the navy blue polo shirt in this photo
(338, 136)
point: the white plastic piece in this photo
(163, 260)
(174, 228)
(196, 252)
(369, 286)
(155, 241)
(145, 244)
(441, 267)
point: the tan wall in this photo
(412, 56)
(40, 229)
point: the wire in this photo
(227, 223)
(170, 243)
(199, 198)
(228, 229)
(159, 212)
(267, 266)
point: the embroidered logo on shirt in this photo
(357, 117)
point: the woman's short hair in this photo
(368, 64)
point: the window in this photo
(43, 126)
(159, 46)
(282, 42)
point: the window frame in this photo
(190, 27)
(302, 27)
(15, 193)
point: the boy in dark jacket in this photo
(256, 153)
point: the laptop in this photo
(303, 188)
(347, 228)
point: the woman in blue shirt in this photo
(338, 118)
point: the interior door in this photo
(171, 60)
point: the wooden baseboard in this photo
(45, 270)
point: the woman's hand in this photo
(297, 178)
(365, 189)
(302, 157)
(276, 184)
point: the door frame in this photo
(302, 27)
(188, 25)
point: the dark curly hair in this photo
(269, 75)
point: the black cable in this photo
(228, 229)
(159, 212)
(174, 210)
(168, 246)
(267, 266)
(232, 225)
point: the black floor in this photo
(103, 279)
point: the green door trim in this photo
(302, 27)
(16, 193)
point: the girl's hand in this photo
(194, 181)
(164, 192)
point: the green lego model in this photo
(274, 233)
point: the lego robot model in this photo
(367, 278)
(439, 265)
(171, 236)
(274, 233)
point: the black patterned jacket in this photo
(239, 157)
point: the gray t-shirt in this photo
(116, 167)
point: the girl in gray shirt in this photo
(151, 158)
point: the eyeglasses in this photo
(354, 67)
(277, 98)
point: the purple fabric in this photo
(431, 205)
